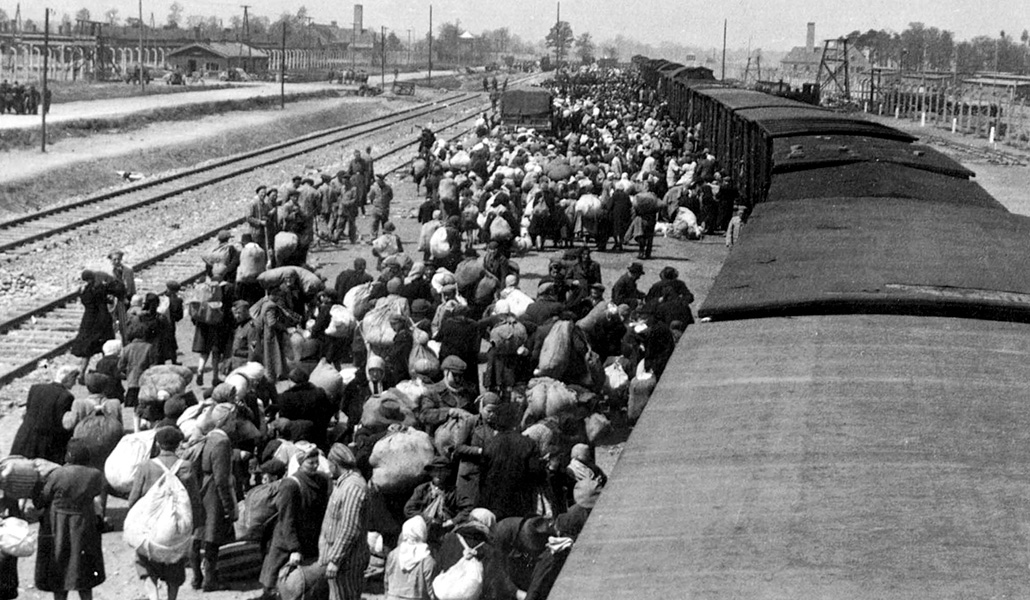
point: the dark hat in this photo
(173, 285)
(359, 263)
(453, 363)
(439, 463)
(298, 375)
(242, 304)
(533, 534)
(169, 437)
(421, 307)
(114, 253)
(96, 383)
(224, 235)
(390, 410)
(88, 275)
(489, 399)
(636, 268)
(274, 467)
(389, 226)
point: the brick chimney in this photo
(810, 39)
(358, 17)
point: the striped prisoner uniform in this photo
(344, 537)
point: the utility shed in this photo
(218, 56)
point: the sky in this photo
(768, 24)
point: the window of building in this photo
(211, 67)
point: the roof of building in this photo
(996, 81)
(225, 50)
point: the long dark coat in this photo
(96, 326)
(512, 471)
(620, 213)
(42, 435)
(301, 502)
(216, 489)
(69, 555)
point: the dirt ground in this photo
(697, 262)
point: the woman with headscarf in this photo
(42, 434)
(410, 567)
(272, 318)
(96, 326)
(300, 502)
(69, 555)
(108, 365)
(477, 533)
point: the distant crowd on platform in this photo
(426, 420)
(17, 99)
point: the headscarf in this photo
(112, 347)
(484, 517)
(412, 549)
(342, 456)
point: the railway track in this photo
(21, 231)
(33, 335)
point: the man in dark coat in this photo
(301, 504)
(305, 402)
(511, 473)
(620, 213)
(460, 336)
(450, 396)
(361, 177)
(625, 289)
(351, 278)
(41, 434)
(214, 467)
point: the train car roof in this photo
(845, 457)
(692, 74)
(672, 66)
(784, 121)
(875, 255)
(807, 152)
(881, 180)
(738, 99)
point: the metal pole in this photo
(282, 73)
(557, 38)
(724, 49)
(409, 48)
(382, 48)
(46, 65)
(142, 76)
(430, 78)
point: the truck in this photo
(528, 107)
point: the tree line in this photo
(920, 48)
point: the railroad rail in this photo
(28, 229)
(47, 330)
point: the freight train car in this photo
(850, 419)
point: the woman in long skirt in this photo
(69, 555)
(96, 326)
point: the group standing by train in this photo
(426, 418)
(17, 99)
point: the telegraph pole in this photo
(409, 48)
(142, 75)
(557, 38)
(46, 66)
(382, 49)
(246, 38)
(724, 49)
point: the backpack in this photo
(160, 526)
(206, 304)
(259, 511)
(556, 350)
(508, 336)
(123, 463)
(18, 477)
(464, 580)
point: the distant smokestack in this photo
(358, 14)
(810, 40)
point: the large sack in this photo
(588, 206)
(309, 283)
(518, 301)
(555, 353)
(399, 460)
(258, 511)
(341, 322)
(439, 247)
(640, 389)
(304, 348)
(597, 425)
(375, 326)
(285, 245)
(486, 288)
(388, 408)
(252, 262)
(423, 361)
(500, 229)
(356, 299)
(160, 525)
(121, 466)
(101, 433)
(468, 272)
(548, 397)
(616, 383)
(220, 255)
(508, 336)
(303, 447)
(164, 378)
(461, 160)
(205, 304)
(646, 204)
(18, 477)
(448, 189)
(328, 378)
(595, 316)
(413, 390)
(452, 432)
(303, 582)
(558, 170)
(464, 580)
(17, 538)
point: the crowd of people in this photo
(403, 420)
(17, 99)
